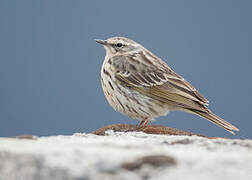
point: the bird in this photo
(139, 84)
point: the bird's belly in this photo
(132, 103)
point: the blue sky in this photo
(50, 63)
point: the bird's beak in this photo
(103, 42)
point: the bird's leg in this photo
(144, 123)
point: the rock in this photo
(25, 136)
(151, 129)
(125, 155)
(153, 160)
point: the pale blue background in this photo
(50, 64)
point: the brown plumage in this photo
(139, 84)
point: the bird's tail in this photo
(217, 120)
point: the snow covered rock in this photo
(124, 156)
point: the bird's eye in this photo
(118, 45)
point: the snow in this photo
(89, 157)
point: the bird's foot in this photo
(143, 124)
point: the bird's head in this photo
(118, 44)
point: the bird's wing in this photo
(149, 75)
(154, 78)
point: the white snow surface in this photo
(92, 157)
